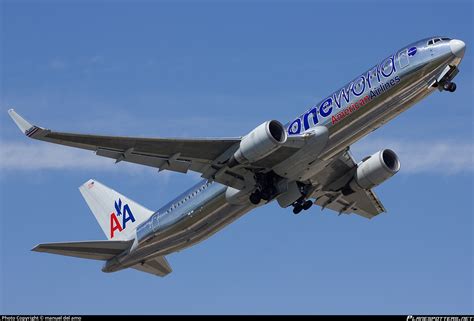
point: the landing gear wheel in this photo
(449, 86)
(255, 198)
(297, 209)
(307, 205)
(452, 87)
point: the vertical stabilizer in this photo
(117, 215)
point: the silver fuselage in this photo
(350, 113)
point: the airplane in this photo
(304, 162)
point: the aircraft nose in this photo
(457, 47)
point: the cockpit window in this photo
(435, 40)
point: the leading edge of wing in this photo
(27, 128)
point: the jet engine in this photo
(260, 142)
(373, 171)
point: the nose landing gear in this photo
(449, 86)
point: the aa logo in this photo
(123, 212)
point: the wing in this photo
(95, 250)
(201, 155)
(208, 156)
(336, 174)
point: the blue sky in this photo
(189, 69)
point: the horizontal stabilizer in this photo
(157, 266)
(95, 250)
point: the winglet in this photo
(22, 123)
(25, 127)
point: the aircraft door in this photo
(403, 58)
(155, 222)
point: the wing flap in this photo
(204, 149)
(364, 203)
(94, 250)
(151, 160)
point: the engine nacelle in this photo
(260, 142)
(374, 170)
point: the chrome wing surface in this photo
(202, 155)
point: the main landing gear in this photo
(449, 86)
(265, 187)
(256, 197)
(300, 205)
(259, 195)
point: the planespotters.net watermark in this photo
(439, 318)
